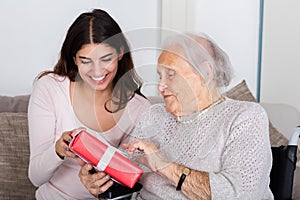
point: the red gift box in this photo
(105, 158)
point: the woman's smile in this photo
(99, 80)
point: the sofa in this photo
(14, 144)
(14, 149)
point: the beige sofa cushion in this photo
(14, 157)
(242, 92)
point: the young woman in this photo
(93, 85)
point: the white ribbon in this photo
(106, 158)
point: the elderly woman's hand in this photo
(151, 159)
(97, 182)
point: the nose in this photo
(98, 69)
(162, 86)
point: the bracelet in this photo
(185, 172)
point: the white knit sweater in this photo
(229, 141)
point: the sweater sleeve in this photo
(246, 160)
(41, 120)
(135, 115)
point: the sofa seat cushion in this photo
(14, 157)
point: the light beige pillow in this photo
(242, 92)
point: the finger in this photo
(101, 175)
(70, 154)
(102, 179)
(85, 169)
(66, 136)
(104, 186)
(96, 191)
(61, 147)
(93, 171)
(137, 144)
(129, 148)
(80, 161)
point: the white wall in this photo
(280, 64)
(233, 24)
(32, 32)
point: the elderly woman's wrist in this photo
(166, 169)
(159, 162)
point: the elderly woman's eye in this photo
(159, 75)
(171, 73)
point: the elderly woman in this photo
(199, 144)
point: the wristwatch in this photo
(185, 172)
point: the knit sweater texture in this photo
(229, 141)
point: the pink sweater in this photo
(50, 113)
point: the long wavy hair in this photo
(99, 27)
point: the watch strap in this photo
(185, 172)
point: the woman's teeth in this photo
(99, 78)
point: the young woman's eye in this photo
(85, 61)
(106, 60)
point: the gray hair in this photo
(199, 48)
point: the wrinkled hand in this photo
(151, 159)
(96, 183)
(62, 145)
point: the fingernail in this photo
(69, 140)
(66, 148)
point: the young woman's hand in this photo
(96, 182)
(62, 145)
(151, 159)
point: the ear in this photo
(120, 56)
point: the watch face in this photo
(186, 171)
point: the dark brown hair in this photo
(99, 27)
